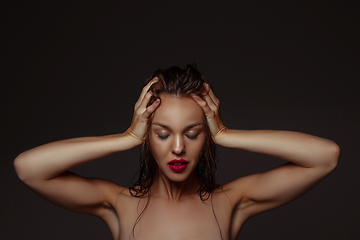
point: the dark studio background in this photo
(76, 68)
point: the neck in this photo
(165, 188)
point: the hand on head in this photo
(208, 102)
(142, 113)
(210, 105)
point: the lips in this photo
(178, 165)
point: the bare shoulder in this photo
(109, 189)
(236, 190)
(118, 201)
(117, 197)
(221, 200)
(240, 207)
(110, 192)
(124, 199)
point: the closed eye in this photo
(163, 136)
(192, 136)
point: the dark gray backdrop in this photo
(75, 68)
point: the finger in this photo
(144, 91)
(214, 98)
(210, 103)
(212, 95)
(203, 104)
(145, 101)
(150, 109)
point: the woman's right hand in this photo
(138, 128)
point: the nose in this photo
(178, 145)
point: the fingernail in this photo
(157, 101)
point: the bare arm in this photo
(310, 160)
(302, 149)
(49, 160)
(45, 168)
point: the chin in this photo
(176, 176)
(179, 178)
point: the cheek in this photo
(196, 147)
(159, 149)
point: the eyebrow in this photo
(167, 127)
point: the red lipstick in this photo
(178, 165)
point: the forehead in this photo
(178, 112)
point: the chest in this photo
(163, 219)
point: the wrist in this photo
(220, 136)
(123, 141)
(134, 135)
(132, 138)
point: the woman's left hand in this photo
(210, 105)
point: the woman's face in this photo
(177, 135)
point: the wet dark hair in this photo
(180, 83)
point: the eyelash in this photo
(163, 137)
(192, 137)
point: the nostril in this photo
(178, 151)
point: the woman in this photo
(177, 120)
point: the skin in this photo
(177, 131)
(175, 211)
